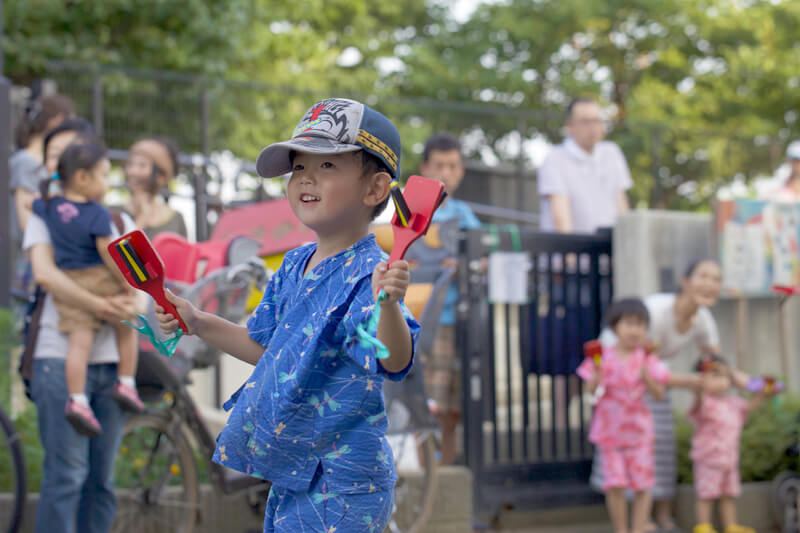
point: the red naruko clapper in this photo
(593, 350)
(414, 210)
(143, 268)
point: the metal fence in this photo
(526, 416)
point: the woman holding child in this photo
(77, 490)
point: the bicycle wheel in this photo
(12, 474)
(156, 478)
(785, 494)
(415, 492)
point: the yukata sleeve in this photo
(586, 370)
(360, 324)
(742, 407)
(265, 317)
(657, 369)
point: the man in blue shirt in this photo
(311, 417)
(442, 160)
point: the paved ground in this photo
(585, 528)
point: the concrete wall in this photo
(651, 252)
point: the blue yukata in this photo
(311, 417)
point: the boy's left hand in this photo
(392, 279)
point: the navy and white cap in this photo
(335, 126)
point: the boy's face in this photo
(631, 331)
(330, 194)
(447, 167)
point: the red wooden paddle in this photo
(143, 268)
(414, 209)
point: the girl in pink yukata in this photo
(622, 425)
(718, 418)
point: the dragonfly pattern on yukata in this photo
(315, 399)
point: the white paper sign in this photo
(508, 277)
(743, 266)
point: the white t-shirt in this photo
(51, 344)
(702, 331)
(671, 343)
(592, 182)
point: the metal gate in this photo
(526, 417)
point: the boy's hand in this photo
(393, 280)
(188, 312)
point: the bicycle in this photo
(12, 460)
(410, 419)
(12, 473)
(158, 482)
(408, 411)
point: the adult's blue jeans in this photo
(77, 492)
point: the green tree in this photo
(701, 91)
(302, 51)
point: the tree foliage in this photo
(700, 92)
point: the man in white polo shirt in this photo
(583, 180)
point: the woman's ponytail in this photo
(44, 187)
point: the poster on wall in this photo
(758, 245)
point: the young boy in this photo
(442, 160)
(311, 417)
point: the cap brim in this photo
(274, 159)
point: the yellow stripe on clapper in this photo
(403, 212)
(132, 261)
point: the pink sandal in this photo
(82, 418)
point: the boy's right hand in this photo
(188, 312)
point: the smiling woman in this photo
(152, 163)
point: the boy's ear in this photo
(377, 189)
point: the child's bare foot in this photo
(127, 398)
